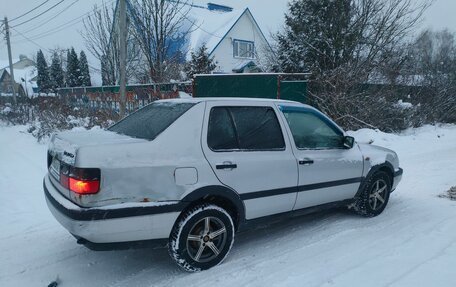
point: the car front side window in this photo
(312, 131)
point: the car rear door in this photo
(247, 150)
(328, 172)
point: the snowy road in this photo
(413, 243)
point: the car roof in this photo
(240, 100)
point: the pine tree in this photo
(84, 68)
(56, 73)
(43, 80)
(73, 71)
(318, 35)
(200, 63)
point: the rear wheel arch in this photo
(221, 196)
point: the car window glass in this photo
(150, 121)
(257, 128)
(244, 128)
(311, 131)
(221, 134)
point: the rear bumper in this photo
(112, 224)
(397, 177)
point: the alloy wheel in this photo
(206, 239)
(378, 194)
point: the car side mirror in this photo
(349, 142)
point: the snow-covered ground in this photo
(413, 243)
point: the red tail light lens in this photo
(84, 186)
(80, 180)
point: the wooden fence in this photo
(108, 97)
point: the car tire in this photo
(374, 196)
(201, 238)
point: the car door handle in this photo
(306, 161)
(226, 166)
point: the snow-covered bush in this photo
(15, 115)
(47, 115)
(451, 193)
(53, 115)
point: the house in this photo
(25, 74)
(233, 38)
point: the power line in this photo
(26, 13)
(65, 25)
(38, 26)
(31, 41)
(26, 21)
(58, 29)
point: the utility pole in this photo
(123, 55)
(10, 58)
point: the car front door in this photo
(247, 150)
(328, 171)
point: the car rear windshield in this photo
(150, 121)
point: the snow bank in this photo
(413, 243)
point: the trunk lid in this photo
(64, 146)
(63, 152)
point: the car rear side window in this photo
(150, 121)
(221, 133)
(244, 128)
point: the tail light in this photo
(84, 186)
(80, 180)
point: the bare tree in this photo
(101, 39)
(433, 62)
(345, 44)
(159, 26)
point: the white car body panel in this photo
(137, 173)
(329, 165)
(256, 170)
(126, 229)
(139, 169)
(338, 165)
(376, 155)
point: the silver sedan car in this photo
(193, 172)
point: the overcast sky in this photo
(269, 14)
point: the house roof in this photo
(245, 64)
(211, 27)
(28, 74)
(269, 14)
(25, 72)
(5, 63)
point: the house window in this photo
(243, 49)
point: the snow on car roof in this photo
(199, 100)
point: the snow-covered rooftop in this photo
(24, 78)
(209, 27)
(268, 14)
(5, 63)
